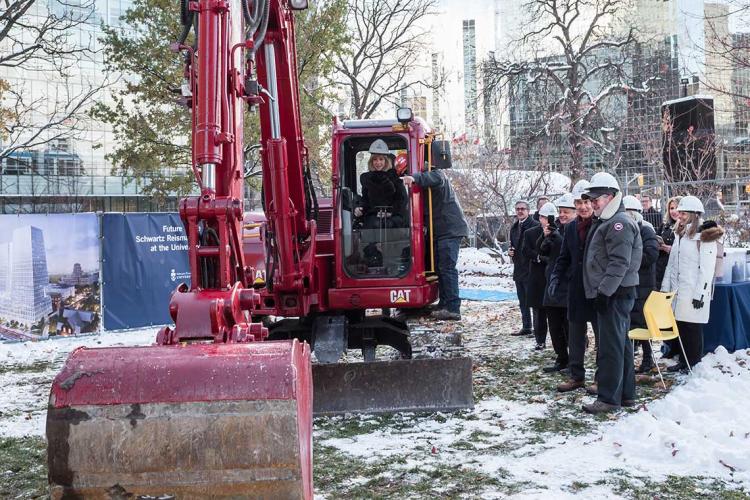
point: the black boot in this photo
(558, 366)
(373, 256)
(647, 364)
(522, 333)
(679, 367)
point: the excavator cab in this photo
(383, 253)
(375, 212)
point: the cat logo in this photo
(400, 296)
(260, 278)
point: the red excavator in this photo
(221, 406)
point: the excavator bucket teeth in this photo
(197, 421)
(430, 384)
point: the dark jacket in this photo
(653, 217)
(448, 217)
(549, 251)
(613, 252)
(537, 279)
(384, 190)
(520, 262)
(568, 275)
(667, 235)
(646, 273)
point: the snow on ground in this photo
(522, 437)
(28, 368)
(699, 429)
(483, 268)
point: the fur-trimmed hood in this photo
(710, 231)
(613, 207)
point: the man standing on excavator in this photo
(452, 228)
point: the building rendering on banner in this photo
(62, 292)
(78, 277)
(74, 322)
(24, 277)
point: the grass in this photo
(507, 376)
(339, 475)
(458, 467)
(674, 487)
(343, 427)
(23, 468)
(513, 379)
(35, 367)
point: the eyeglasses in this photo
(595, 196)
(521, 209)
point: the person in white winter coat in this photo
(690, 273)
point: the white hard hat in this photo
(379, 147)
(632, 203)
(690, 204)
(579, 188)
(565, 201)
(603, 180)
(547, 210)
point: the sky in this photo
(68, 238)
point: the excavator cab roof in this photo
(387, 122)
(370, 123)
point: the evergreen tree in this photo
(151, 127)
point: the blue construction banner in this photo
(49, 276)
(144, 259)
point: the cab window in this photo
(375, 207)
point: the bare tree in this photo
(44, 37)
(574, 56)
(689, 156)
(488, 187)
(385, 41)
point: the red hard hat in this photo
(401, 164)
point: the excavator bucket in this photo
(184, 422)
(419, 385)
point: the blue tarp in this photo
(486, 295)
(729, 323)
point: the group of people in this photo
(593, 257)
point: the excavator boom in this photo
(213, 409)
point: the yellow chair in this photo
(661, 324)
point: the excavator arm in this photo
(210, 411)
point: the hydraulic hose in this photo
(252, 19)
(186, 19)
(261, 33)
